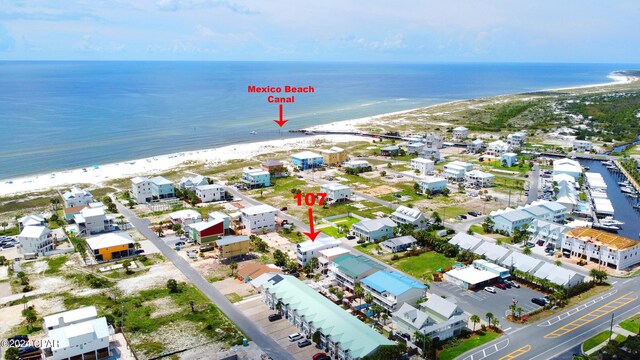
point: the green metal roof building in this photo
(349, 269)
(343, 335)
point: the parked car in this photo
(18, 339)
(304, 342)
(284, 208)
(514, 284)
(139, 251)
(28, 349)
(180, 243)
(274, 317)
(501, 286)
(351, 237)
(294, 337)
(318, 356)
(539, 301)
(473, 213)
(490, 289)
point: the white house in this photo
(437, 318)
(547, 231)
(601, 247)
(431, 154)
(498, 147)
(455, 170)
(145, 190)
(336, 192)
(76, 196)
(373, 229)
(190, 183)
(460, 133)
(355, 164)
(94, 221)
(258, 218)
(81, 340)
(307, 250)
(35, 240)
(185, 217)
(433, 184)
(479, 178)
(475, 146)
(391, 289)
(511, 220)
(31, 220)
(413, 216)
(210, 192)
(582, 146)
(425, 166)
(70, 317)
(516, 139)
(567, 166)
(508, 159)
(414, 147)
(433, 141)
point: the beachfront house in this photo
(498, 147)
(336, 192)
(343, 335)
(190, 183)
(393, 150)
(145, 190)
(477, 178)
(582, 146)
(516, 139)
(433, 141)
(601, 247)
(510, 221)
(111, 246)
(256, 178)
(373, 229)
(567, 166)
(424, 166)
(275, 168)
(77, 334)
(210, 192)
(475, 146)
(399, 244)
(413, 216)
(307, 250)
(414, 147)
(94, 221)
(334, 156)
(392, 289)
(460, 133)
(259, 218)
(432, 184)
(431, 154)
(349, 269)
(437, 318)
(206, 231)
(455, 170)
(35, 240)
(508, 159)
(76, 197)
(31, 220)
(307, 160)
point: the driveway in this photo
(279, 330)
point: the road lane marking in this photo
(481, 353)
(523, 350)
(615, 282)
(575, 310)
(507, 329)
(592, 316)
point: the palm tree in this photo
(519, 311)
(475, 319)
(495, 322)
(558, 263)
(159, 229)
(233, 266)
(368, 298)
(358, 291)
(126, 264)
(422, 339)
(314, 263)
(526, 251)
(385, 317)
(489, 316)
(4, 225)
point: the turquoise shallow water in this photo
(59, 115)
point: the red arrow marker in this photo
(281, 121)
(311, 234)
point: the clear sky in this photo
(323, 30)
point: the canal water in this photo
(622, 205)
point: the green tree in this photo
(316, 338)
(423, 342)
(416, 188)
(4, 225)
(291, 267)
(358, 291)
(31, 316)
(12, 353)
(160, 229)
(55, 203)
(280, 258)
(437, 220)
(368, 298)
(526, 250)
(487, 225)
(599, 276)
(233, 266)
(489, 317)
(172, 285)
(475, 319)
(126, 264)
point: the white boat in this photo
(628, 190)
(606, 227)
(254, 132)
(611, 222)
(624, 183)
(607, 163)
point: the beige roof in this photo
(108, 240)
(612, 241)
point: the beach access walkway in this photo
(265, 342)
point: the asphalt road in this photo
(265, 342)
(534, 186)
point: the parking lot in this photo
(279, 330)
(481, 302)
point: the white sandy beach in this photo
(161, 163)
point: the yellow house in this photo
(334, 156)
(111, 246)
(231, 246)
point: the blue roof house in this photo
(512, 220)
(391, 289)
(307, 160)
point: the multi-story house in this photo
(76, 197)
(259, 218)
(336, 192)
(373, 229)
(392, 289)
(424, 166)
(35, 240)
(256, 177)
(460, 133)
(210, 192)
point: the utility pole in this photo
(611, 328)
(509, 197)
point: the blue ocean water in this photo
(61, 115)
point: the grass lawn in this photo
(423, 265)
(477, 229)
(332, 231)
(55, 263)
(595, 341)
(346, 220)
(12, 231)
(632, 324)
(468, 344)
(233, 297)
(293, 237)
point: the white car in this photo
(490, 289)
(295, 337)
